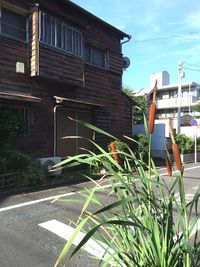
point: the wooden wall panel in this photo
(60, 66)
(115, 62)
(12, 51)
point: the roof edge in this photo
(92, 16)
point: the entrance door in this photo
(68, 128)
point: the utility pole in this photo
(181, 74)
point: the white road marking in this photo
(93, 247)
(59, 196)
(194, 231)
(188, 197)
(196, 187)
(52, 198)
(36, 201)
(187, 169)
(196, 228)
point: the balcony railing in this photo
(173, 102)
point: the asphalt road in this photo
(32, 227)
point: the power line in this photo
(166, 37)
(191, 69)
(159, 38)
(193, 65)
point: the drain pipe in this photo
(55, 128)
(129, 38)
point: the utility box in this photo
(48, 163)
(20, 67)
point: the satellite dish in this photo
(126, 62)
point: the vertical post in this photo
(179, 105)
(181, 75)
(195, 145)
(189, 99)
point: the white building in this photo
(167, 110)
(167, 97)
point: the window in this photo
(95, 55)
(56, 33)
(13, 24)
(185, 92)
(165, 95)
(173, 94)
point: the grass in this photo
(143, 224)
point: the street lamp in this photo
(181, 74)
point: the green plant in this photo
(11, 159)
(140, 107)
(140, 146)
(11, 126)
(185, 143)
(143, 224)
(121, 150)
(29, 170)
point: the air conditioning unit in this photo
(48, 163)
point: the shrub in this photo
(185, 143)
(32, 174)
(143, 224)
(29, 170)
(140, 146)
(11, 126)
(12, 160)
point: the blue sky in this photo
(163, 32)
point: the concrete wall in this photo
(190, 131)
(158, 138)
(161, 130)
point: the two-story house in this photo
(58, 61)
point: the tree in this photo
(197, 107)
(141, 105)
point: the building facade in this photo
(167, 98)
(59, 64)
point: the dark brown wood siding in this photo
(52, 72)
(60, 66)
(115, 62)
(11, 52)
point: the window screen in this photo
(95, 55)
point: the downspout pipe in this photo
(55, 129)
(128, 39)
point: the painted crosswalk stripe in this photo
(93, 247)
(196, 228)
(188, 197)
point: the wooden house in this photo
(57, 61)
